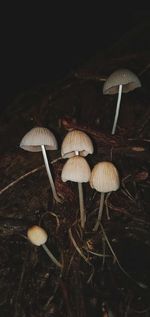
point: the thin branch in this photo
(26, 175)
(142, 285)
(21, 178)
(77, 248)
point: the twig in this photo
(141, 311)
(77, 248)
(54, 215)
(104, 252)
(20, 178)
(46, 306)
(144, 70)
(99, 254)
(136, 148)
(65, 293)
(124, 211)
(20, 290)
(120, 266)
(26, 175)
(144, 121)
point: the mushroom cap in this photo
(104, 177)
(37, 235)
(76, 169)
(36, 137)
(124, 77)
(76, 141)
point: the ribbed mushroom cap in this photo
(76, 169)
(121, 77)
(104, 177)
(37, 235)
(36, 137)
(76, 141)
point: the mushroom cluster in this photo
(75, 146)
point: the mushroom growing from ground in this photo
(122, 80)
(41, 139)
(76, 143)
(105, 179)
(76, 169)
(38, 236)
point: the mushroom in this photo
(76, 169)
(41, 139)
(104, 178)
(122, 80)
(76, 143)
(38, 236)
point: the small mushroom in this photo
(76, 142)
(122, 80)
(105, 179)
(76, 169)
(41, 139)
(38, 236)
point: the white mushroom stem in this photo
(49, 174)
(99, 212)
(117, 109)
(51, 256)
(81, 202)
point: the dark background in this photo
(40, 43)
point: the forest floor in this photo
(104, 273)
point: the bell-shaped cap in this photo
(37, 235)
(104, 177)
(36, 137)
(124, 77)
(76, 169)
(76, 141)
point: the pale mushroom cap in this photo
(76, 169)
(37, 235)
(36, 137)
(121, 77)
(76, 141)
(104, 177)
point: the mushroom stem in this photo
(51, 256)
(49, 174)
(117, 109)
(99, 212)
(81, 202)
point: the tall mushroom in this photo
(122, 80)
(105, 179)
(76, 143)
(38, 236)
(41, 139)
(76, 169)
